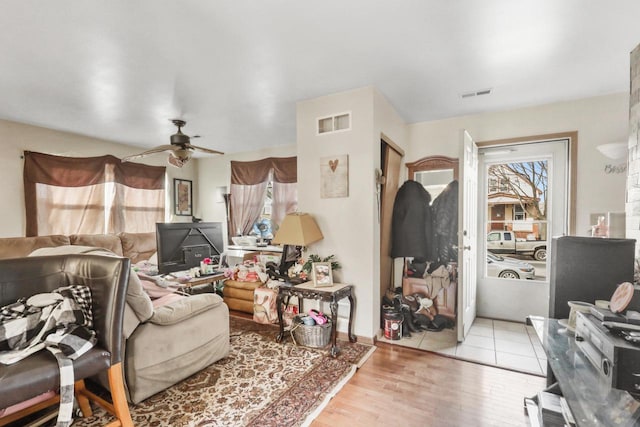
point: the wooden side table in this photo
(194, 286)
(203, 280)
(331, 294)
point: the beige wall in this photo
(15, 138)
(349, 224)
(346, 222)
(598, 120)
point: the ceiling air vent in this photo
(476, 93)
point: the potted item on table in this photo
(334, 265)
(206, 266)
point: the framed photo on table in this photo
(321, 274)
(182, 197)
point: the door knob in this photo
(466, 248)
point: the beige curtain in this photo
(248, 185)
(65, 210)
(90, 195)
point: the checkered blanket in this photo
(61, 322)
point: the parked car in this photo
(505, 242)
(508, 268)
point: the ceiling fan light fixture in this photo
(174, 161)
(182, 154)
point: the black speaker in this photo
(588, 269)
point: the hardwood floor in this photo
(404, 387)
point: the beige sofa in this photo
(163, 345)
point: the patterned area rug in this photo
(261, 383)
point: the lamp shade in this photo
(298, 229)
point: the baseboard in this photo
(364, 340)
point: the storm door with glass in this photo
(523, 202)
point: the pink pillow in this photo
(154, 291)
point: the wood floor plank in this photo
(400, 386)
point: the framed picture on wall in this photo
(334, 176)
(182, 197)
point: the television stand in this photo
(591, 402)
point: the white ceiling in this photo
(234, 70)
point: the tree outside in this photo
(522, 189)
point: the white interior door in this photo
(467, 250)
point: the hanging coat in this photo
(411, 222)
(445, 224)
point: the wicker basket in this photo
(316, 336)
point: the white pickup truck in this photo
(505, 242)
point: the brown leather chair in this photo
(107, 277)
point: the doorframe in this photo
(572, 136)
(432, 163)
(384, 224)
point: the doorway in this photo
(523, 201)
(498, 338)
(387, 183)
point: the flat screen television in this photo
(182, 245)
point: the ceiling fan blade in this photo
(204, 150)
(155, 150)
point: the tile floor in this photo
(492, 342)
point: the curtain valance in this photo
(285, 170)
(81, 171)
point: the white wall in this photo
(15, 138)
(598, 120)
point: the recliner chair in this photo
(107, 277)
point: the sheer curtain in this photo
(285, 189)
(285, 200)
(248, 186)
(90, 195)
(247, 202)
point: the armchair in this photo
(107, 277)
(167, 343)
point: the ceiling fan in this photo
(180, 150)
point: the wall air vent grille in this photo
(334, 123)
(476, 93)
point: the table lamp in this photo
(296, 231)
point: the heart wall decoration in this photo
(334, 176)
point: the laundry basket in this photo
(316, 336)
